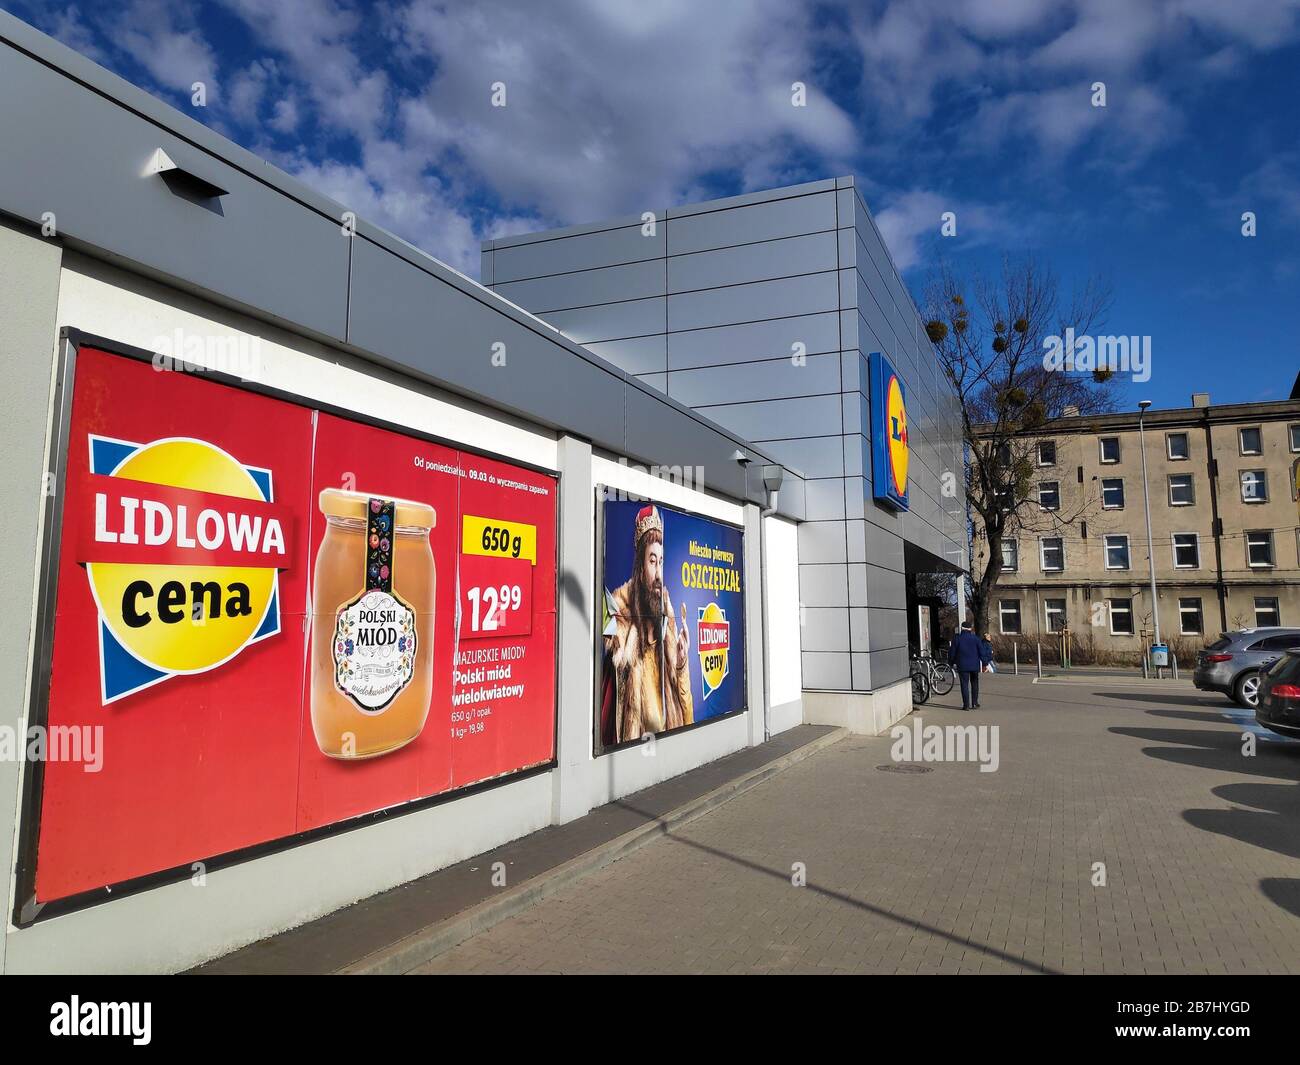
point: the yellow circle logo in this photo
(896, 412)
(173, 617)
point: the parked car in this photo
(1233, 663)
(1279, 696)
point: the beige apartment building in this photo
(1225, 532)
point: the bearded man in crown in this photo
(647, 685)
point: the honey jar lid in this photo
(336, 503)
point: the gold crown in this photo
(648, 518)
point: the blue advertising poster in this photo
(672, 621)
(889, 444)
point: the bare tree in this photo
(989, 335)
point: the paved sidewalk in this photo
(961, 871)
(377, 933)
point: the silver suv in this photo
(1233, 663)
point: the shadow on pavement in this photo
(1207, 701)
(866, 907)
(1284, 891)
(1208, 715)
(1265, 815)
(1216, 749)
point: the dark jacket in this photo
(986, 652)
(966, 652)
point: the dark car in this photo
(1279, 696)
(1233, 664)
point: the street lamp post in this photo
(1146, 503)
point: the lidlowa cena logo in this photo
(182, 546)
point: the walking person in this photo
(986, 655)
(967, 657)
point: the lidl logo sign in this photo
(182, 545)
(889, 435)
(713, 642)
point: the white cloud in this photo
(175, 54)
(911, 221)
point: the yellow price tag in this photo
(498, 539)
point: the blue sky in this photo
(981, 107)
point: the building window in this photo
(1052, 550)
(1295, 438)
(1182, 493)
(1254, 486)
(1121, 617)
(1049, 495)
(1259, 548)
(1047, 453)
(1009, 617)
(1112, 493)
(1267, 614)
(1010, 555)
(1190, 621)
(1055, 611)
(1109, 449)
(1250, 441)
(1176, 446)
(1117, 551)
(1187, 551)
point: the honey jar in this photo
(372, 624)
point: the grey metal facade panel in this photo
(853, 410)
(856, 493)
(855, 540)
(820, 456)
(753, 302)
(823, 585)
(804, 254)
(746, 199)
(745, 225)
(83, 157)
(824, 629)
(859, 630)
(888, 666)
(610, 321)
(637, 355)
(887, 627)
(742, 382)
(753, 340)
(606, 247)
(884, 548)
(825, 498)
(861, 672)
(884, 587)
(822, 541)
(648, 435)
(857, 590)
(761, 420)
(611, 284)
(416, 320)
(826, 671)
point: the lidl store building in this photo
(329, 567)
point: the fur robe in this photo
(646, 699)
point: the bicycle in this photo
(920, 683)
(941, 675)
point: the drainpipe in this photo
(773, 475)
(1216, 527)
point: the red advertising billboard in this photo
(274, 619)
